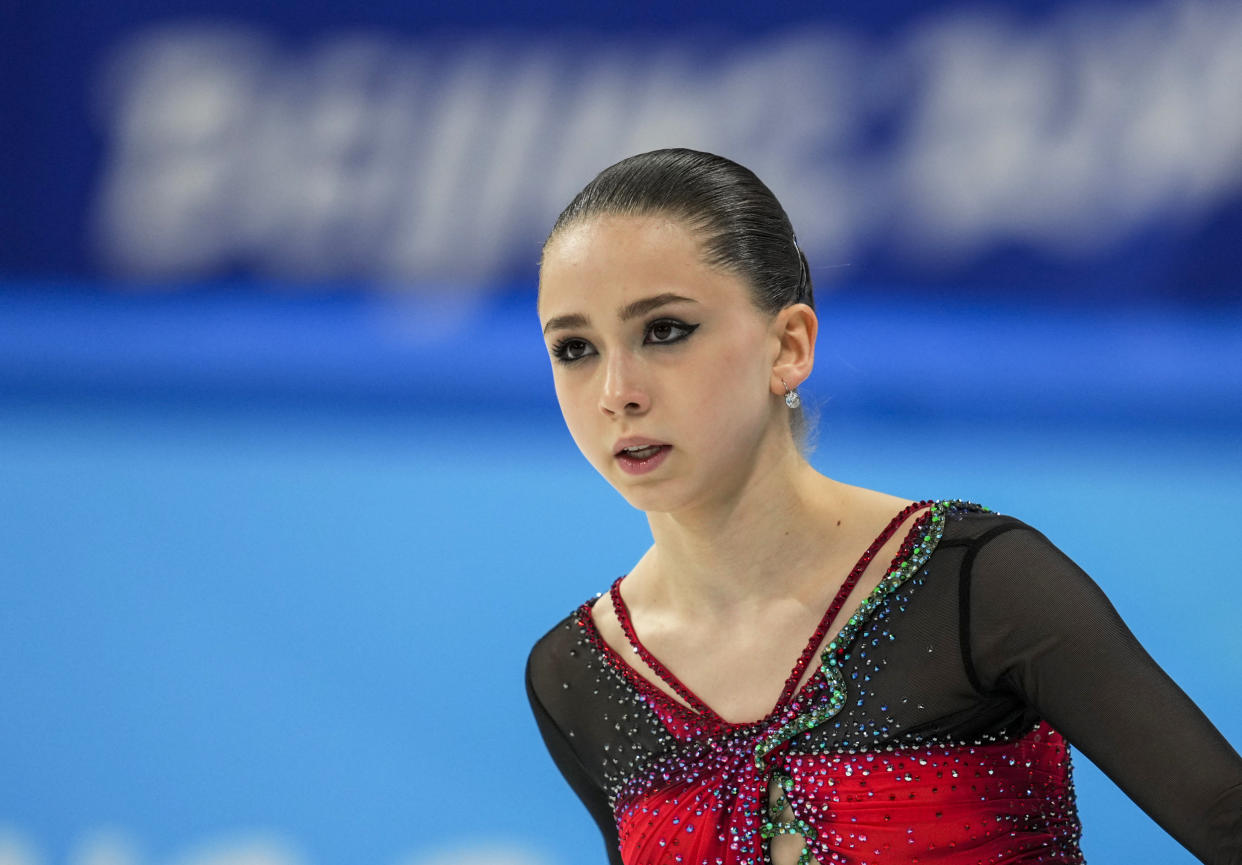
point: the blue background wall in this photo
(285, 503)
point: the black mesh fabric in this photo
(996, 632)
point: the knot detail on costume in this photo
(776, 825)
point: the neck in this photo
(762, 539)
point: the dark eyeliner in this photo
(675, 323)
(560, 349)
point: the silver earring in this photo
(791, 396)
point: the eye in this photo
(667, 330)
(572, 349)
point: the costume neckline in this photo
(696, 707)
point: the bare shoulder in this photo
(880, 499)
(870, 506)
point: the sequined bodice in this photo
(999, 802)
(931, 731)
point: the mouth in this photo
(642, 458)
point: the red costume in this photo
(930, 733)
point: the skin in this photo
(749, 539)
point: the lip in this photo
(633, 466)
(634, 442)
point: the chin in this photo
(643, 496)
(640, 499)
(653, 498)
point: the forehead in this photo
(599, 236)
(609, 259)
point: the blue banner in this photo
(1061, 150)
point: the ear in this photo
(792, 337)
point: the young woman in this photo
(943, 657)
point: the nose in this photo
(623, 391)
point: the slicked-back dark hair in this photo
(742, 227)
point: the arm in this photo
(1039, 628)
(592, 796)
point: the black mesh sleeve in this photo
(1040, 629)
(592, 796)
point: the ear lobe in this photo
(794, 328)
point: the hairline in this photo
(698, 227)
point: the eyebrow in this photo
(625, 313)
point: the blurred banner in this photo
(1068, 150)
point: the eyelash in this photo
(561, 349)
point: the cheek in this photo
(733, 390)
(566, 399)
(577, 410)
